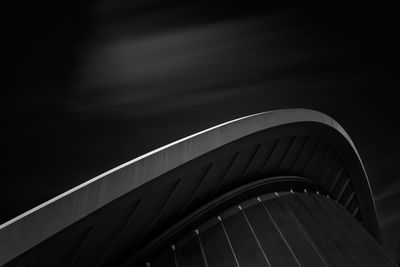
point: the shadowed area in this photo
(94, 85)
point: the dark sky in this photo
(95, 84)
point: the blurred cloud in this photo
(146, 73)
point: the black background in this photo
(91, 85)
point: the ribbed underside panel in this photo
(113, 234)
(296, 229)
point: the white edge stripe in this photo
(120, 167)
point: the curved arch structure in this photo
(130, 212)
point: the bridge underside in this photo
(287, 150)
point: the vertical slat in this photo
(229, 241)
(241, 178)
(352, 208)
(210, 182)
(63, 252)
(173, 248)
(292, 154)
(145, 213)
(350, 198)
(281, 234)
(359, 248)
(305, 155)
(82, 246)
(270, 240)
(254, 169)
(190, 254)
(330, 226)
(277, 156)
(309, 220)
(369, 245)
(102, 235)
(164, 259)
(340, 185)
(355, 212)
(255, 238)
(216, 247)
(346, 196)
(235, 171)
(336, 178)
(224, 174)
(184, 190)
(307, 234)
(316, 158)
(325, 167)
(342, 190)
(201, 247)
(245, 246)
(328, 176)
(298, 242)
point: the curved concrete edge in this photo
(32, 227)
